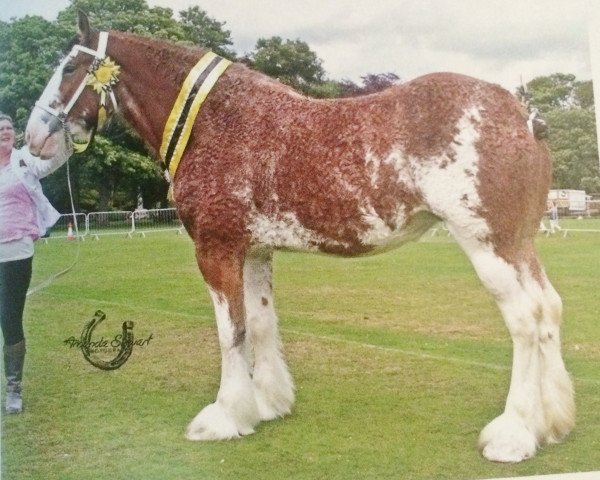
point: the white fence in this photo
(110, 223)
(567, 227)
(141, 222)
(157, 220)
(126, 223)
(67, 225)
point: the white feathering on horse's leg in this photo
(517, 433)
(557, 389)
(272, 382)
(235, 411)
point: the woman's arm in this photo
(42, 168)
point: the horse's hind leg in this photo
(540, 406)
(557, 389)
(235, 411)
(273, 385)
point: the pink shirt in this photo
(25, 213)
(17, 209)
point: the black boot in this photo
(14, 358)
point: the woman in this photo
(25, 215)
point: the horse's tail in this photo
(537, 125)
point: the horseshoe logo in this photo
(125, 343)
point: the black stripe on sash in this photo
(186, 108)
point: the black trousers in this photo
(15, 277)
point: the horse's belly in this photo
(381, 238)
(286, 232)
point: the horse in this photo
(264, 168)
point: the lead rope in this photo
(102, 86)
(45, 283)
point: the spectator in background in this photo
(553, 214)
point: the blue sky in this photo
(500, 41)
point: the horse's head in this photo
(78, 98)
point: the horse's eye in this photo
(69, 68)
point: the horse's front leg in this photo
(235, 411)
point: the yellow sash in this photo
(194, 91)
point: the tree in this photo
(205, 31)
(572, 141)
(371, 83)
(29, 49)
(559, 91)
(109, 175)
(124, 15)
(326, 89)
(568, 108)
(291, 61)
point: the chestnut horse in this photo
(266, 168)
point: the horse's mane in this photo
(159, 44)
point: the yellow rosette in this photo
(104, 76)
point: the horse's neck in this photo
(151, 75)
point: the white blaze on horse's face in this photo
(45, 135)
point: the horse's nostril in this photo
(54, 125)
(46, 118)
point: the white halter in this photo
(99, 56)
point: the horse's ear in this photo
(83, 25)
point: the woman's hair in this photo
(3, 116)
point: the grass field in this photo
(399, 361)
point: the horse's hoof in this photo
(214, 423)
(506, 439)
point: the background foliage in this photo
(568, 107)
(117, 169)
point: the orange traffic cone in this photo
(70, 235)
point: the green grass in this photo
(399, 361)
(579, 224)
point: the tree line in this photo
(116, 168)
